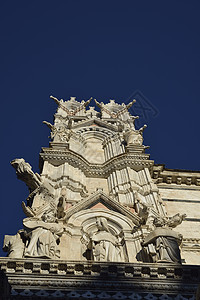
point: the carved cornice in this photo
(191, 245)
(58, 157)
(53, 275)
(168, 271)
(174, 176)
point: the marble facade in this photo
(100, 199)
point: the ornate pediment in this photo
(95, 122)
(107, 203)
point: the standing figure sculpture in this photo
(105, 246)
(163, 243)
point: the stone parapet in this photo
(169, 176)
(28, 277)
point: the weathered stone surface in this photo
(100, 201)
(95, 280)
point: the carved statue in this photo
(132, 136)
(105, 246)
(141, 206)
(128, 124)
(43, 234)
(61, 208)
(14, 244)
(24, 172)
(176, 220)
(60, 132)
(163, 243)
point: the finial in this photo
(55, 99)
(130, 104)
(142, 129)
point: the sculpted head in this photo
(49, 216)
(20, 165)
(102, 224)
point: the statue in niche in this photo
(24, 172)
(43, 234)
(162, 244)
(104, 245)
(15, 244)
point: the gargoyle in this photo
(24, 172)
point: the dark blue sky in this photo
(103, 49)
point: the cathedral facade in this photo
(102, 220)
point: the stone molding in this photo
(73, 185)
(118, 162)
(173, 176)
(191, 244)
(192, 240)
(47, 275)
(169, 271)
(97, 295)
